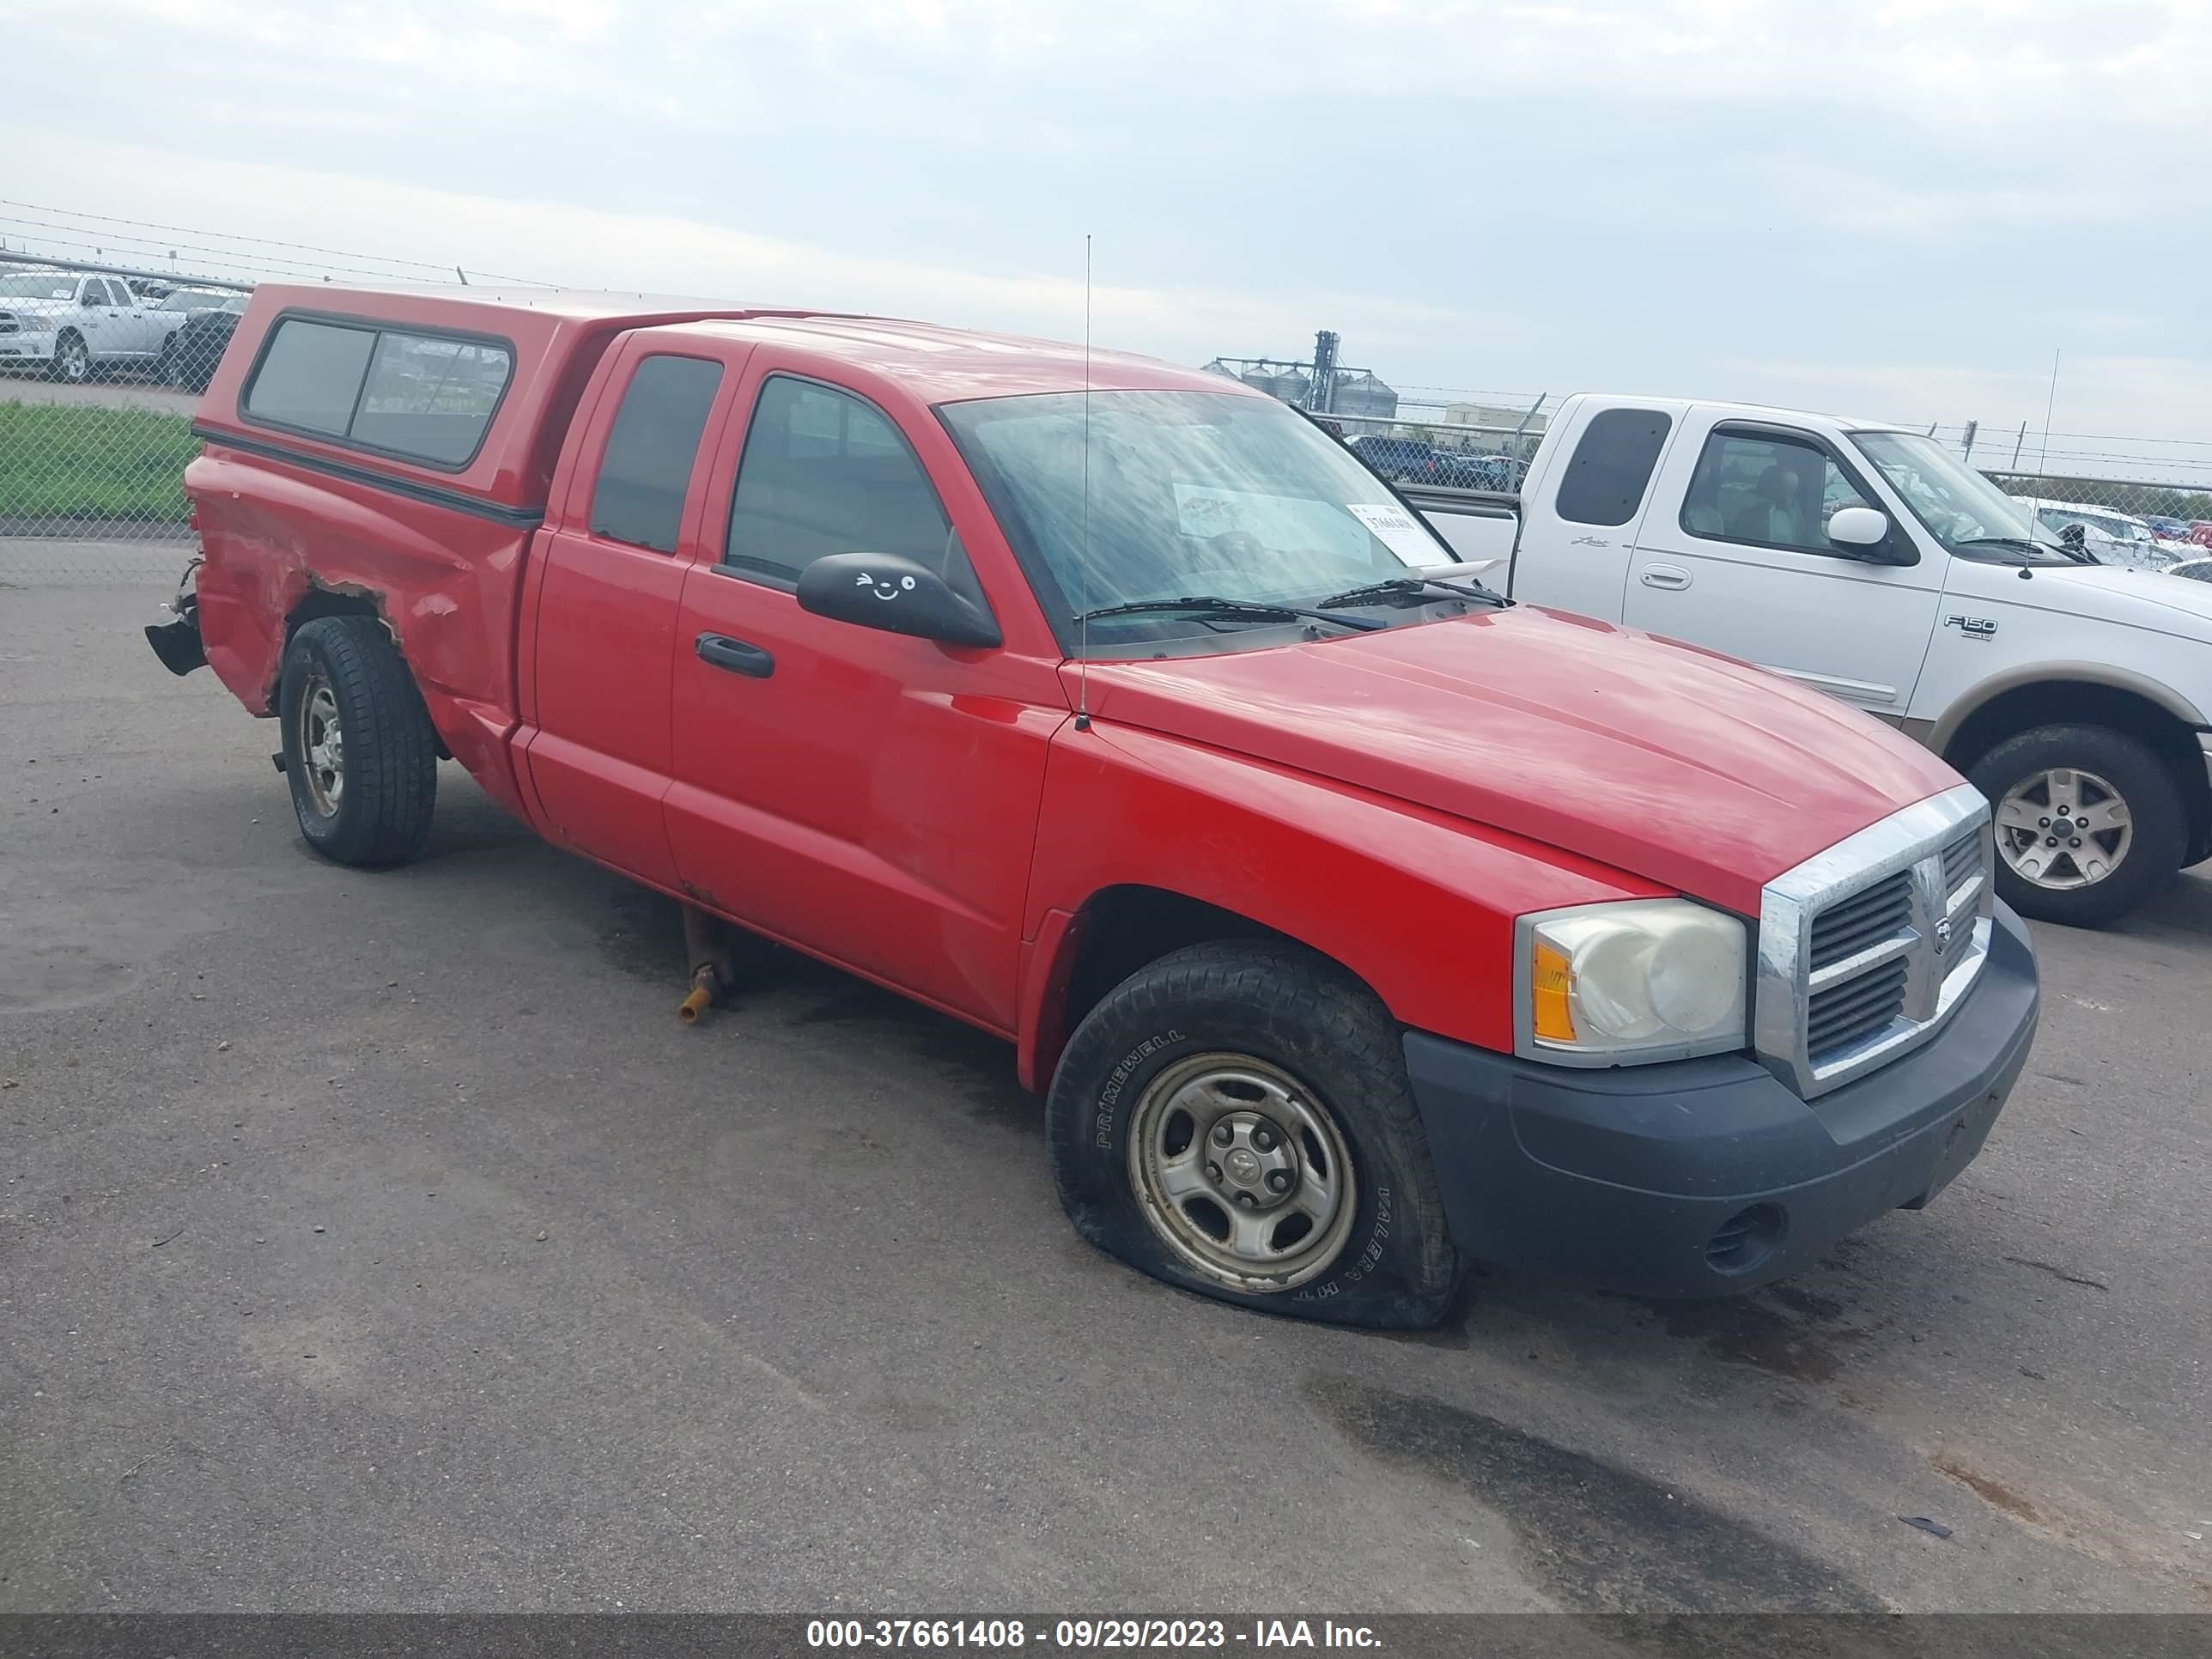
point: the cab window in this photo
(1606, 476)
(1768, 491)
(823, 472)
(646, 469)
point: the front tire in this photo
(1235, 1119)
(2089, 823)
(359, 753)
(72, 359)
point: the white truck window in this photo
(1606, 476)
(1768, 490)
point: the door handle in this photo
(1665, 575)
(735, 655)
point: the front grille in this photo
(1962, 859)
(1865, 949)
(8, 325)
(1852, 1011)
(1851, 925)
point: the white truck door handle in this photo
(1665, 575)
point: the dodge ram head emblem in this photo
(1942, 936)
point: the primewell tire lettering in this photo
(1109, 1095)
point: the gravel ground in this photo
(382, 1242)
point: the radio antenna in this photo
(1083, 573)
(2042, 455)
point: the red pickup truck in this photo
(1357, 923)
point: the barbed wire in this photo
(237, 259)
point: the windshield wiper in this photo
(1208, 602)
(1389, 585)
(2077, 555)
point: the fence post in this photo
(1966, 447)
(2016, 444)
(1525, 419)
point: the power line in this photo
(266, 241)
(221, 257)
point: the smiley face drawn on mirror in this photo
(884, 590)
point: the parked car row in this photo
(74, 326)
(1409, 461)
(2113, 537)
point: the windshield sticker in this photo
(1396, 530)
(1280, 522)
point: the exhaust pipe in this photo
(712, 974)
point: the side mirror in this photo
(93, 299)
(1863, 532)
(881, 589)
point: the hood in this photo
(1660, 759)
(44, 309)
(2128, 594)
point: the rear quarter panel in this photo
(446, 582)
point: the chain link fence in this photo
(100, 367)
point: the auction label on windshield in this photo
(1397, 530)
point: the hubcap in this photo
(2064, 828)
(1241, 1169)
(322, 747)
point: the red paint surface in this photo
(931, 817)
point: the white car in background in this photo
(2195, 570)
(2114, 537)
(71, 324)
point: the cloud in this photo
(560, 243)
(1472, 192)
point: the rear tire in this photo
(2120, 837)
(1319, 1200)
(359, 753)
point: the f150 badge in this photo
(1973, 628)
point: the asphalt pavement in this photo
(383, 1242)
(120, 388)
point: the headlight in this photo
(1627, 984)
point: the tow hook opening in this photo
(1746, 1238)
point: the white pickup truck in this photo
(72, 325)
(1874, 564)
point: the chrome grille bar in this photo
(1907, 904)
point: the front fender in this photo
(1419, 905)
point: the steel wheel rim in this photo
(1243, 1172)
(2063, 829)
(322, 747)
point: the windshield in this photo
(35, 285)
(1958, 506)
(1189, 493)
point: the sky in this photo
(1900, 208)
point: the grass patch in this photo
(60, 461)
